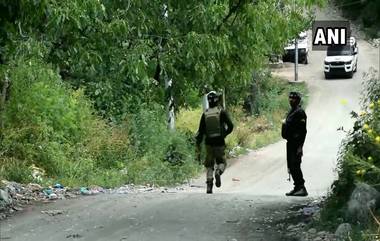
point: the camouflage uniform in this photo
(215, 130)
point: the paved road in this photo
(238, 210)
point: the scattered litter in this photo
(232, 221)
(74, 236)
(34, 187)
(145, 189)
(14, 196)
(48, 191)
(18, 209)
(58, 185)
(85, 191)
(70, 195)
(5, 197)
(53, 196)
(53, 212)
(235, 179)
(308, 211)
(97, 189)
(122, 191)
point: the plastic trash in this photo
(85, 191)
(53, 212)
(47, 191)
(309, 210)
(53, 196)
(59, 186)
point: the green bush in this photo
(363, 145)
(272, 105)
(43, 118)
(15, 170)
(359, 159)
(111, 147)
(162, 156)
(49, 125)
(39, 98)
(53, 127)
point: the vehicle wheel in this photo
(305, 61)
(356, 67)
(327, 76)
(350, 74)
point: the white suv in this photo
(341, 60)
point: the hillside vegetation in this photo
(366, 13)
(359, 163)
(83, 83)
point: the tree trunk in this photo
(4, 93)
(252, 101)
(170, 99)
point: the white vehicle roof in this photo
(302, 41)
(302, 34)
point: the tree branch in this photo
(232, 10)
(374, 217)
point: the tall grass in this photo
(252, 131)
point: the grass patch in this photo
(258, 131)
(252, 132)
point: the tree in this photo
(116, 50)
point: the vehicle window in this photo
(339, 50)
(302, 38)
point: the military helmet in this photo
(212, 97)
(295, 95)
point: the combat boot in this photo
(298, 192)
(209, 185)
(301, 192)
(291, 193)
(218, 182)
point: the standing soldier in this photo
(294, 131)
(215, 124)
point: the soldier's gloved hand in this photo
(299, 151)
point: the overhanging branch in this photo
(231, 11)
